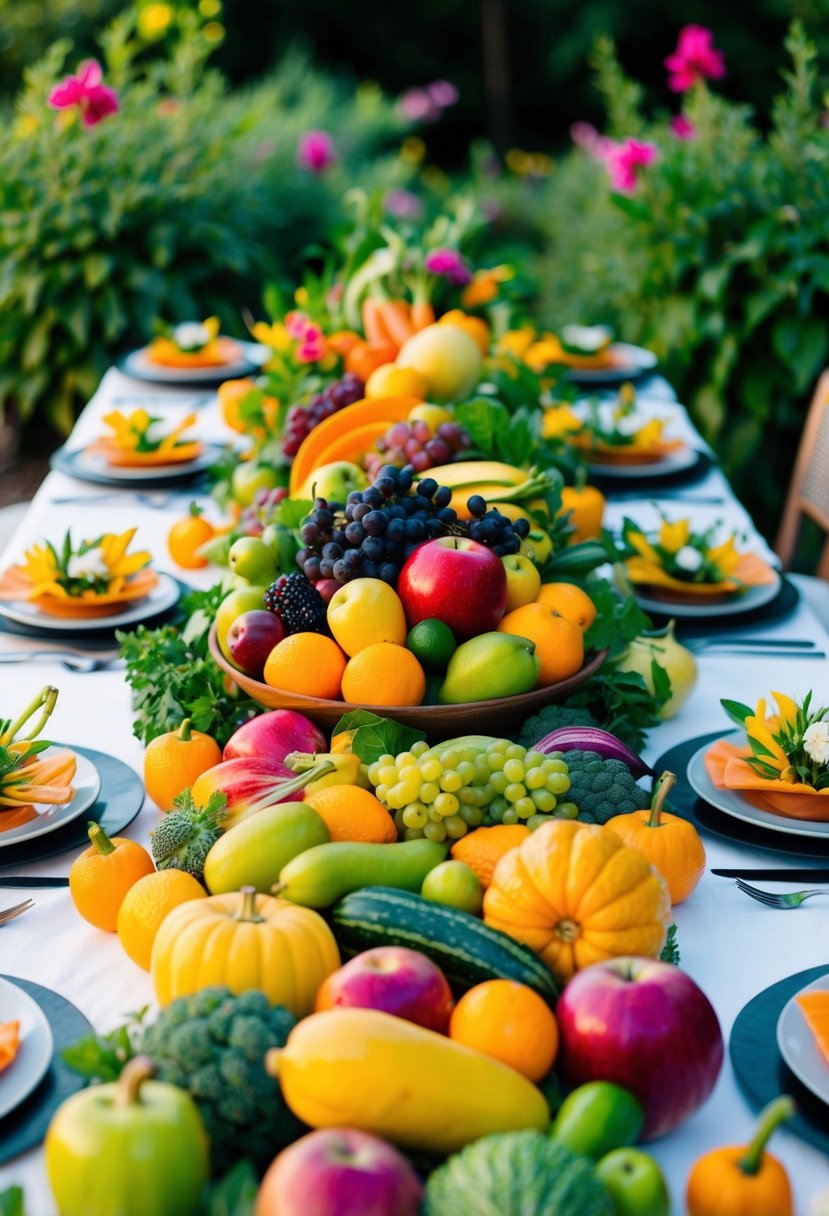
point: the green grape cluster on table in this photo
(442, 792)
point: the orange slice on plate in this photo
(16, 816)
(815, 1009)
(15, 585)
(128, 458)
(217, 353)
(9, 1043)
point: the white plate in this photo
(137, 364)
(36, 1046)
(798, 1045)
(84, 462)
(87, 785)
(164, 595)
(753, 597)
(637, 361)
(732, 803)
(675, 462)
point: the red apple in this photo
(275, 735)
(251, 638)
(647, 1026)
(456, 580)
(394, 980)
(339, 1172)
(327, 588)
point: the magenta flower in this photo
(297, 324)
(315, 151)
(682, 127)
(695, 58)
(624, 162)
(402, 204)
(585, 136)
(86, 91)
(448, 264)
(313, 345)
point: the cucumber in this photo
(466, 950)
(322, 875)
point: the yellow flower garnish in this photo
(673, 536)
(725, 556)
(559, 420)
(102, 566)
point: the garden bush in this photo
(179, 205)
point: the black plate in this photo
(91, 639)
(118, 803)
(645, 486)
(70, 463)
(777, 609)
(25, 1126)
(709, 821)
(759, 1068)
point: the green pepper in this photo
(136, 1148)
(598, 1117)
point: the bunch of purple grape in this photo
(255, 518)
(302, 418)
(413, 443)
(488, 526)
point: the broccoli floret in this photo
(550, 718)
(602, 788)
(186, 834)
(213, 1044)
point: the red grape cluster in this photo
(255, 518)
(302, 418)
(413, 443)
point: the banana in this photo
(471, 474)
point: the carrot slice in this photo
(9, 1042)
(815, 1008)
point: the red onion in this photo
(593, 739)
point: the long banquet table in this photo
(731, 945)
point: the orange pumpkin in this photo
(743, 1181)
(576, 894)
(101, 876)
(669, 842)
(585, 505)
(175, 760)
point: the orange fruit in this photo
(558, 644)
(231, 394)
(388, 380)
(570, 602)
(187, 536)
(510, 1023)
(352, 813)
(366, 611)
(482, 849)
(383, 674)
(307, 663)
(173, 761)
(103, 874)
(146, 904)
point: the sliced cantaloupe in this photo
(815, 1008)
(9, 1042)
(386, 409)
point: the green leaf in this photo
(383, 737)
(661, 682)
(12, 1202)
(235, 1193)
(292, 511)
(354, 719)
(670, 951)
(736, 711)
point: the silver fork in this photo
(78, 663)
(771, 900)
(10, 913)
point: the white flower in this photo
(816, 742)
(688, 558)
(629, 424)
(89, 565)
(190, 335)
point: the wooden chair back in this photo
(809, 487)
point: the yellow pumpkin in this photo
(576, 895)
(669, 842)
(244, 940)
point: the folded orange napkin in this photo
(726, 766)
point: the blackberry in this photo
(297, 603)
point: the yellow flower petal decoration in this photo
(643, 546)
(516, 342)
(757, 728)
(116, 559)
(170, 441)
(559, 420)
(212, 325)
(786, 710)
(674, 536)
(650, 434)
(275, 336)
(724, 556)
(40, 564)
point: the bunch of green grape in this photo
(442, 792)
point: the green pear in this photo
(489, 666)
(254, 561)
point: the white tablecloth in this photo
(732, 946)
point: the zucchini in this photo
(466, 950)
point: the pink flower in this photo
(448, 264)
(86, 91)
(315, 151)
(427, 103)
(443, 93)
(624, 162)
(313, 345)
(682, 127)
(585, 136)
(403, 204)
(297, 324)
(695, 59)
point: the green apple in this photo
(453, 883)
(334, 481)
(252, 560)
(598, 1117)
(523, 580)
(233, 605)
(635, 1182)
(248, 477)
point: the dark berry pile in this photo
(254, 519)
(413, 443)
(302, 418)
(489, 527)
(297, 603)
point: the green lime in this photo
(432, 642)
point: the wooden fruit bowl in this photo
(439, 721)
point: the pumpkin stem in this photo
(248, 912)
(770, 1119)
(98, 837)
(663, 787)
(184, 732)
(135, 1073)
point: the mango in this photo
(489, 666)
(254, 851)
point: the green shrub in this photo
(180, 205)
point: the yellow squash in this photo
(244, 940)
(575, 894)
(368, 1070)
